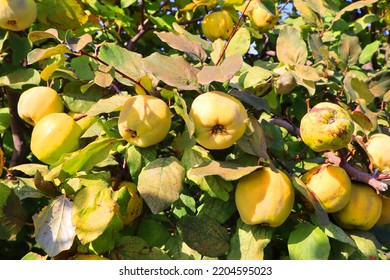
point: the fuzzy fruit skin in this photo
(54, 135)
(37, 102)
(385, 214)
(327, 126)
(331, 185)
(285, 83)
(378, 147)
(219, 118)
(144, 120)
(17, 15)
(363, 209)
(217, 25)
(264, 197)
(262, 20)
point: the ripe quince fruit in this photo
(378, 147)
(331, 185)
(220, 119)
(17, 15)
(262, 20)
(264, 197)
(133, 200)
(88, 257)
(53, 136)
(217, 25)
(285, 83)
(37, 102)
(144, 120)
(327, 126)
(385, 214)
(362, 210)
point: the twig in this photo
(233, 33)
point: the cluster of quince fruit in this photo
(220, 24)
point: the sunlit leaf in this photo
(351, 7)
(240, 43)
(38, 54)
(366, 243)
(308, 242)
(21, 77)
(290, 47)
(92, 211)
(107, 105)
(54, 230)
(160, 183)
(349, 49)
(379, 84)
(249, 242)
(137, 158)
(357, 89)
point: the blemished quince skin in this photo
(17, 15)
(264, 197)
(378, 147)
(217, 25)
(144, 120)
(37, 102)
(331, 185)
(327, 126)
(220, 119)
(53, 136)
(362, 211)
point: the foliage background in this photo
(96, 53)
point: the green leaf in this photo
(38, 35)
(307, 73)
(357, 89)
(184, 44)
(160, 183)
(249, 98)
(174, 71)
(12, 214)
(291, 49)
(153, 232)
(229, 171)
(379, 84)
(137, 158)
(21, 77)
(107, 105)
(214, 186)
(106, 241)
(364, 117)
(4, 119)
(361, 23)
(368, 52)
(254, 76)
(54, 231)
(46, 187)
(249, 242)
(180, 30)
(307, 11)
(221, 73)
(31, 256)
(349, 49)
(30, 169)
(84, 67)
(367, 245)
(92, 212)
(308, 242)
(135, 248)
(218, 209)
(254, 141)
(180, 107)
(39, 54)
(127, 62)
(240, 43)
(23, 188)
(204, 235)
(63, 14)
(88, 157)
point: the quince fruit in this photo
(87, 257)
(53, 136)
(37, 102)
(264, 197)
(285, 83)
(217, 25)
(17, 15)
(262, 20)
(362, 210)
(132, 206)
(385, 214)
(220, 119)
(144, 120)
(378, 147)
(331, 185)
(327, 126)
